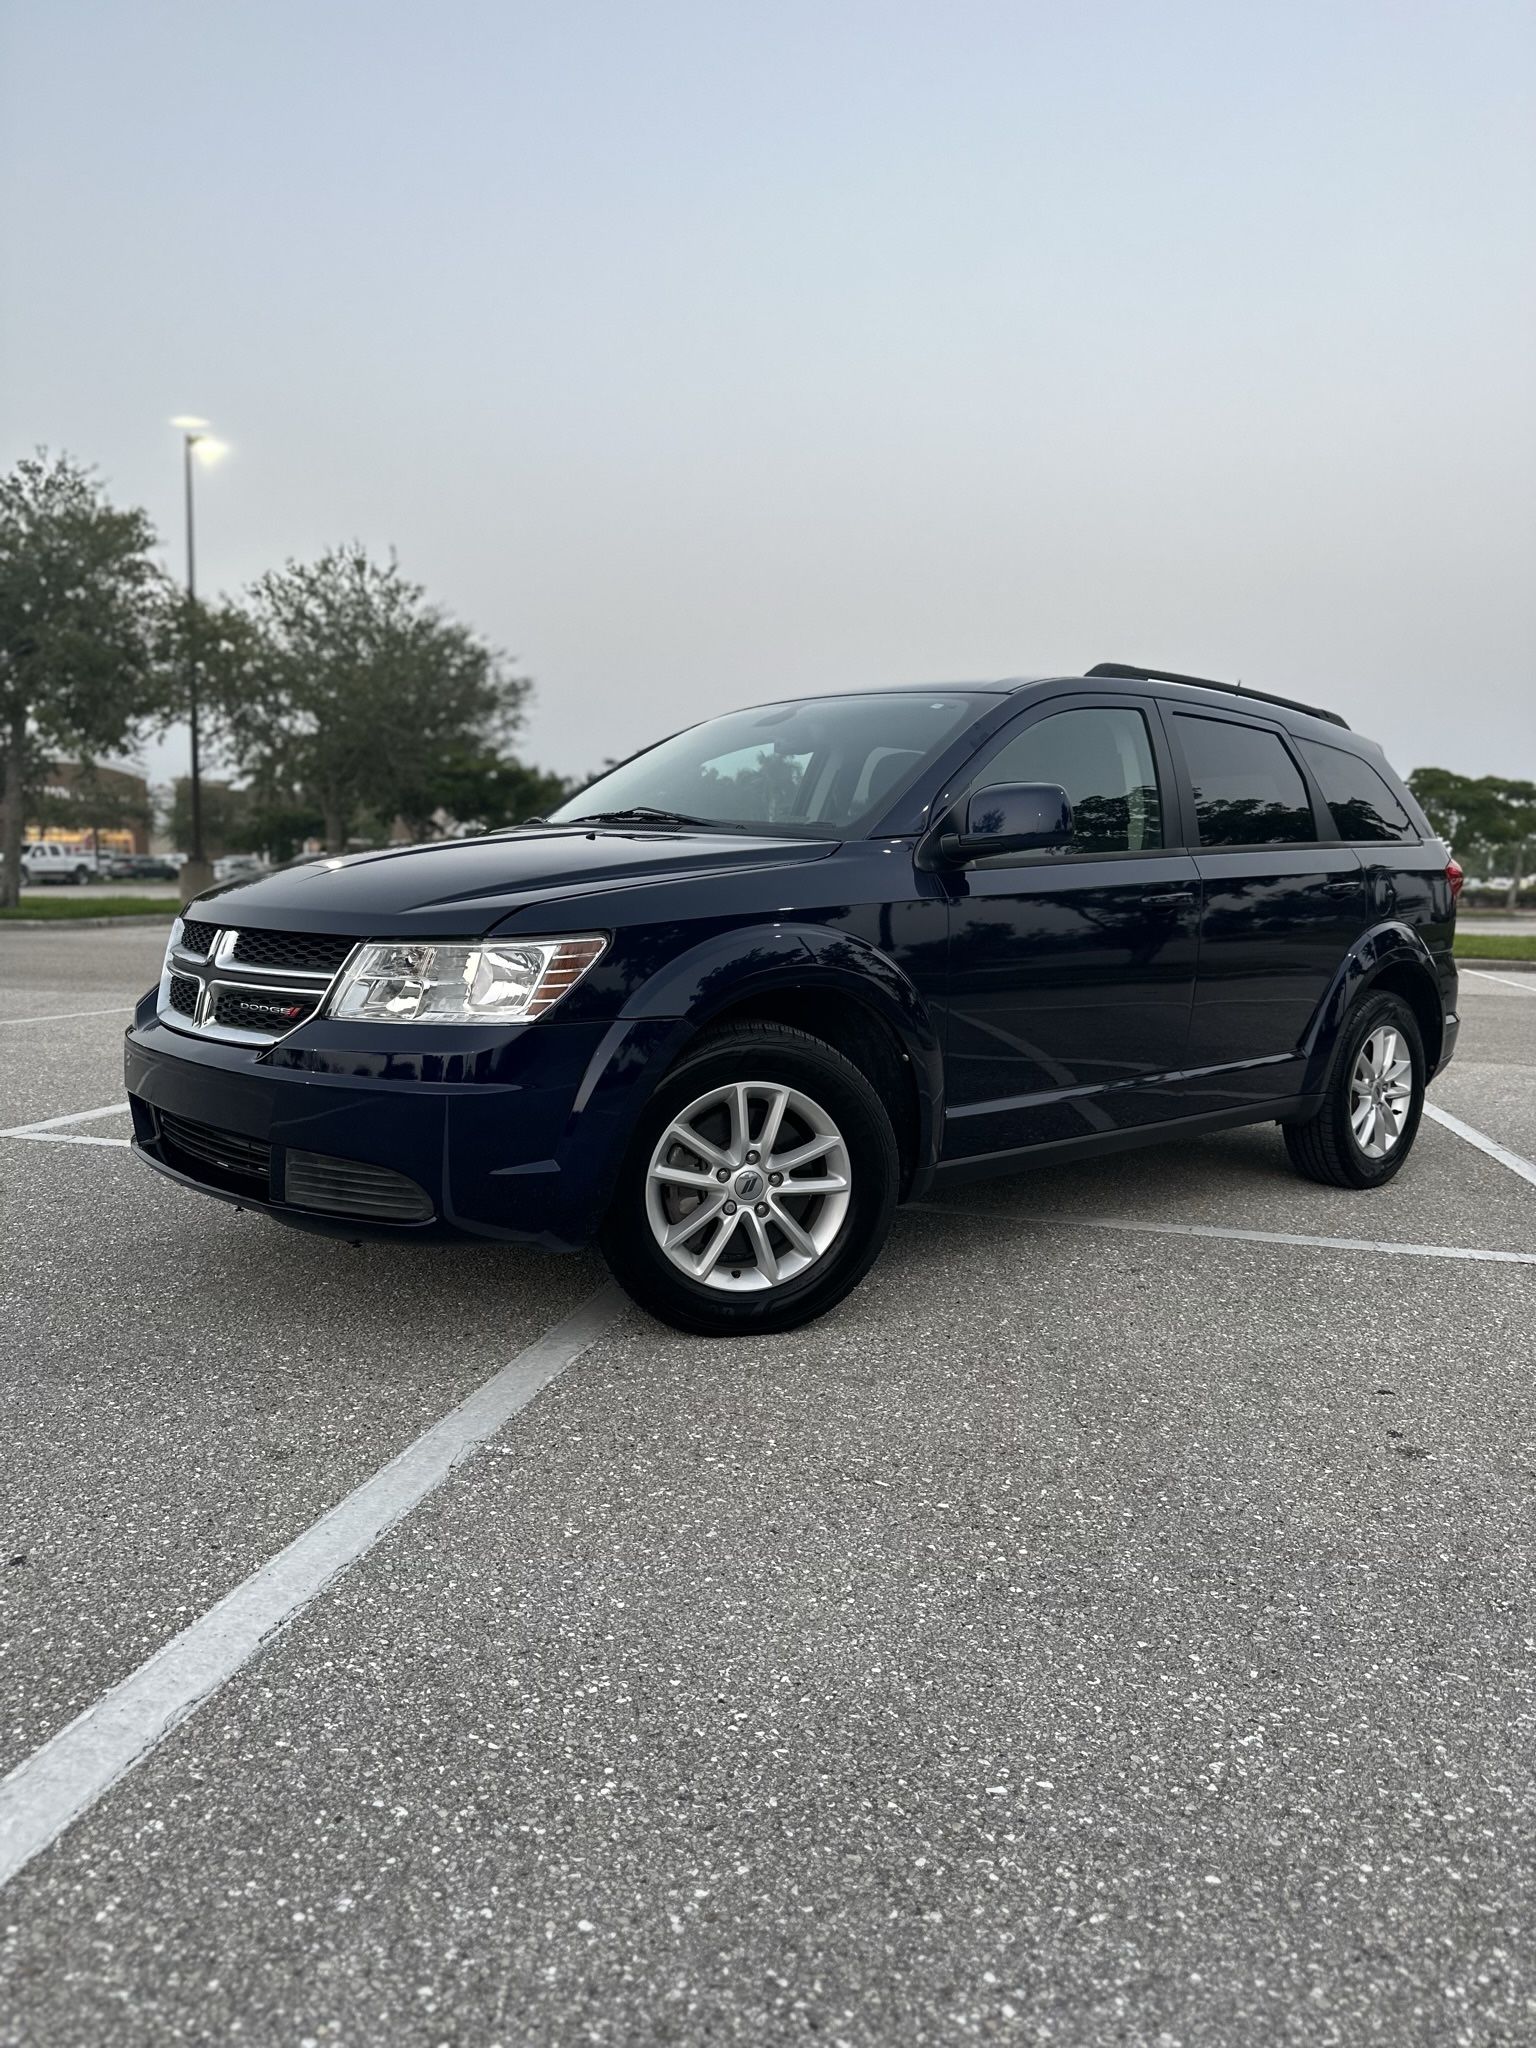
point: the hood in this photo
(463, 887)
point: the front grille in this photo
(263, 983)
(310, 952)
(348, 1187)
(224, 1159)
(270, 1010)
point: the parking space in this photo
(65, 998)
(1088, 1633)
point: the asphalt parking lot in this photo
(1114, 1624)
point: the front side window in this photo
(820, 763)
(1361, 801)
(1102, 757)
(1248, 790)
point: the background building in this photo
(84, 804)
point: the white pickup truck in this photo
(44, 860)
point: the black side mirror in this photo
(1012, 817)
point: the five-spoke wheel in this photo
(1368, 1115)
(749, 1185)
(1380, 1092)
(759, 1186)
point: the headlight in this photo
(462, 984)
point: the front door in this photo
(1071, 973)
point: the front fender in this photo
(732, 967)
(685, 996)
(1390, 944)
(723, 970)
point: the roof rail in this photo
(1127, 672)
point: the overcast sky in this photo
(697, 353)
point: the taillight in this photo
(1454, 876)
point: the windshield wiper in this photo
(645, 814)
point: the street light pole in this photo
(195, 851)
(196, 445)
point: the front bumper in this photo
(514, 1137)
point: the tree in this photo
(346, 688)
(1487, 818)
(229, 824)
(82, 606)
(485, 792)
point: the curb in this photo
(86, 924)
(1503, 966)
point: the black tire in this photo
(1325, 1147)
(82, 876)
(779, 1055)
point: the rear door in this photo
(1283, 902)
(1071, 973)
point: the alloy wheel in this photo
(748, 1186)
(1380, 1092)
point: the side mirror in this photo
(1012, 817)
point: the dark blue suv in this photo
(760, 983)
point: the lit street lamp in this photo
(197, 446)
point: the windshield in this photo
(824, 762)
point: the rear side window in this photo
(1102, 758)
(1248, 790)
(1361, 801)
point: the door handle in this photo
(1169, 897)
(1343, 888)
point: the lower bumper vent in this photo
(347, 1187)
(223, 1158)
(307, 1180)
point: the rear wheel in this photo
(1372, 1103)
(758, 1188)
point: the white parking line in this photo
(1136, 1224)
(1513, 1160)
(52, 1123)
(1509, 981)
(47, 1130)
(64, 1016)
(61, 1138)
(63, 1779)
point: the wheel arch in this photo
(1390, 959)
(833, 985)
(855, 1028)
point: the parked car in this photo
(141, 867)
(46, 860)
(237, 867)
(749, 990)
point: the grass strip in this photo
(1476, 945)
(65, 907)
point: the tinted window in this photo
(821, 761)
(1248, 790)
(1103, 760)
(1361, 801)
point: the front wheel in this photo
(758, 1188)
(1372, 1102)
